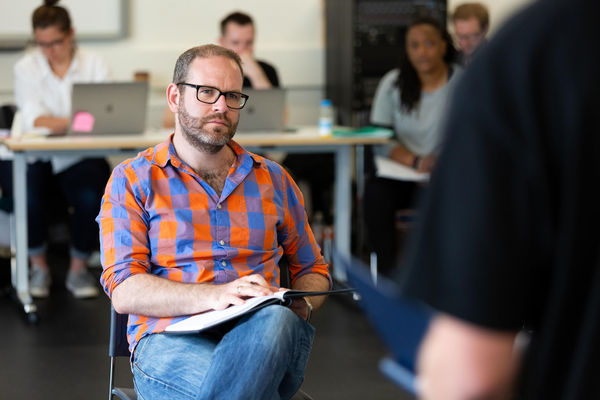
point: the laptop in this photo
(108, 108)
(264, 111)
(400, 322)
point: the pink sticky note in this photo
(83, 121)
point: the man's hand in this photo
(301, 307)
(427, 163)
(254, 72)
(459, 360)
(235, 292)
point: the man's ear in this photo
(173, 97)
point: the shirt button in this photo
(223, 263)
(222, 242)
(219, 206)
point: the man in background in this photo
(471, 24)
(237, 34)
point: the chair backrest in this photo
(7, 113)
(118, 347)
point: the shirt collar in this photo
(47, 70)
(165, 152)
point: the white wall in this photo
(290, 35)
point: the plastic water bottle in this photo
(326, 118)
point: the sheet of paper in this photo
(211, 318)
(386, 168)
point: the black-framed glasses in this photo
(54, 43)
(210, 95)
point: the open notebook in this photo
(209, 319)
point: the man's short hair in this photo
(236, 17)
(469, 10)
(204, 51)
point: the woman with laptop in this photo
(43, 80)
(412, 101)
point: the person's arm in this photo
(313, 283)
(308, 269)
(402, 155)
(254, 72)
(459, 360)
(153, 296)
(55, 124)
(29, 99)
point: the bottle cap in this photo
(326, 102)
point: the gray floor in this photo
(64, 355)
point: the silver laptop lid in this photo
(109, 108)
(263, 112)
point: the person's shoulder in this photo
(276, 170)
(270, 72)
(389, 79)
(265, 65)
(31, 62)
(139, 165)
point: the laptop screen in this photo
(109, 108)
(263, 112)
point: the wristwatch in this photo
(310, 308)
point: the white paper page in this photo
(386, 168)
(211, 318)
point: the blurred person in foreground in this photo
(471, 24)
(508, 238)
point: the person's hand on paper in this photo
(235, 292)
(427, 163)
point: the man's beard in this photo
(206, 140)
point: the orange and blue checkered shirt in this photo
(158, 216)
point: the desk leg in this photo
(20, 277)
(343, 209)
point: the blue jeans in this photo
(262, 356)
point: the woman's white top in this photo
(419, 130)
(39, 92)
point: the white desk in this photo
(304, 140)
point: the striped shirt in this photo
(158, 216)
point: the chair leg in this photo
(111, 378)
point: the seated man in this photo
(471, 24)
(198, 223)
(237, 34)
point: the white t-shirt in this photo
(38, 91)
(420, 129)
